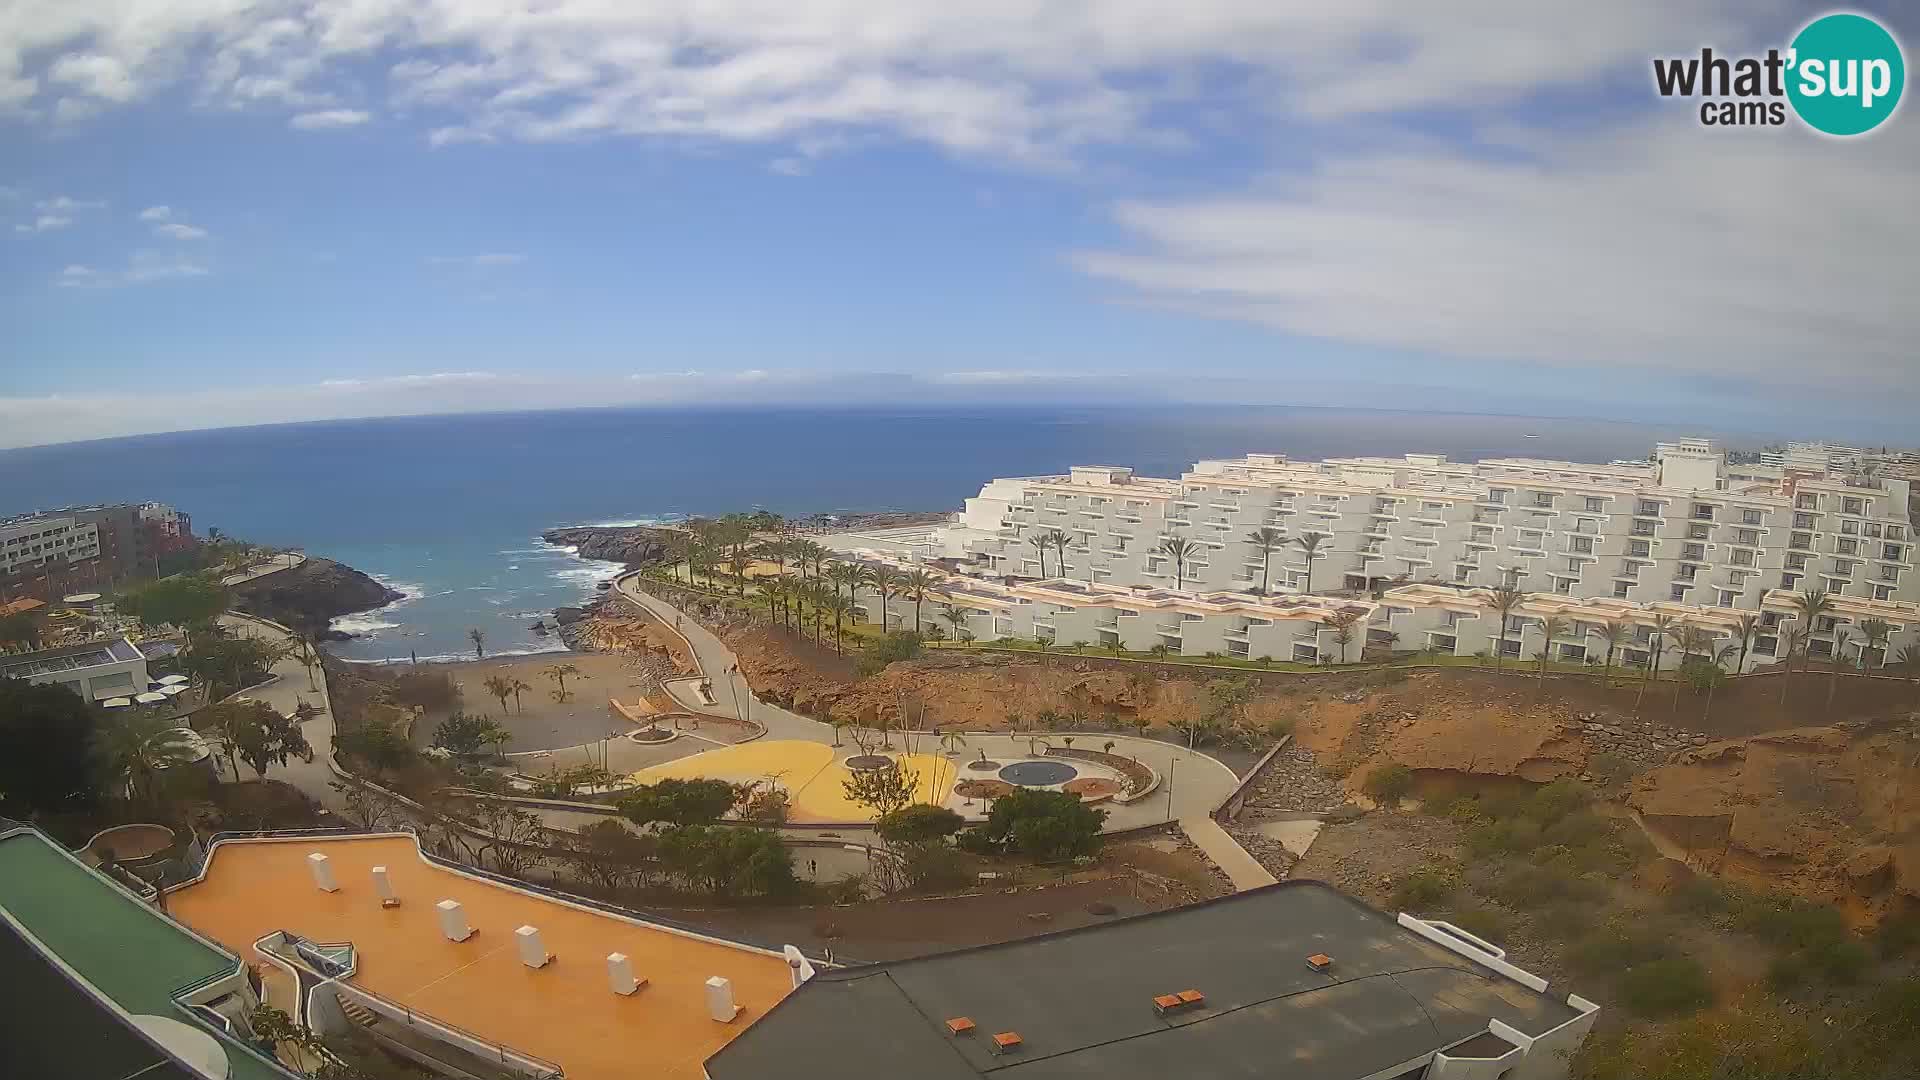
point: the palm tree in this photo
(1662, 627)
(1745, 630)
(1693, 641)
(137, 744)
(499, 687)
(516, 688)
(1873, 635)
(559, 673)
(1613, 632)
(1060, 540)
(479, 639)
(1503, 600)
(1809, 606)
(858, 577)
(1179, 549)
(1268, 540)
(1793, 640)
(1310, 543)
(956, 615)
(1840, 635)
(885, 580)
(915, 587)
(1040, 542)
(775, 592)
(1551, 627)
(841, 608)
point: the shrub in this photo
(1389, 783)
(1609, 769)
(1528, 885)
(1043, 824)
(1557, 800)
(428, 689)
(1699, 896)
(892, 647)
(1838, 964)
(1280, 727)
(1481, 922)
(1790, 923)
(1899, 934)
(1615, 948)
(679, 802)
(1513, 837)
(1674, 986)
(1422, 890)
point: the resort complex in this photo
(468, 975)
(1320, 561)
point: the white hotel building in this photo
(1684, 534)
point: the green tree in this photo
(1180, 550)
(559, 673)
(1614, 633)
(915, 586)
(187, 600)
(516, 687)
(674, 801)
(1040, 542)
(380, 745)
(1746, 629)
(1042, 824)
(1268, 540)
(728, 860)
(229, 663)
(134, 746)
(883, 790)
(499, 688)
(1551, 627)
(479, 639)
(956, 615)
(20, 628)
(885, 581)
(1663, 628)
(1503, 600)
(1060, 540)
(1309, 543)
(470, 734)
(46, 748)
(896, 646)
(268, 738)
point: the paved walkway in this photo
(1192, 784)
(1226, 853)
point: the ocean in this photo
(449, 509)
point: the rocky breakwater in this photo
(309, 596)
(634, 545)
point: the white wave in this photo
(364, 623)
(514, 566)
(408, 590)
(455, 658)
(633, 523)
(589, 572)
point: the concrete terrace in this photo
(129, 952)
(563, 1012)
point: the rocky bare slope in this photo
(309, 596)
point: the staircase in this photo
(358, 1013)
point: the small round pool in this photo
(983, 765)
(868, 762)
(1038, 773)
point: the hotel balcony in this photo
(1171, 629)
(1235, 633)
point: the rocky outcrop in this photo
(309, 596)
(634, 545)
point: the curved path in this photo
(1192, 784)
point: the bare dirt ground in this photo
(537, 721)
(1131, 878)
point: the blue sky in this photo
(236, 211)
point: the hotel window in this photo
(1807, 502)
(1825, 624)
(1883, 592)
(1873, 529)
(1703, 512)
(1847, 547)
(1542, 498)
(1693, 551)
(1582, 544)
(1497, 495)
(1573, 566)
(1895, 532)
(1892, 551)
(1649, 508)
(1620, 590)
(1742, 557)
(1678, 592)
(1852, 506)
(1696, 532)
(1639, 548)
(1843, 567)
(1889, 573)
(1800, 540)
(1461, 573)
(1769, 618)
(1849, 528)
(1727, 598)
(1746, 536)
(1802, 521)
(1750, 517)
(1788, 581)
(1596, 503)
(1643, 528)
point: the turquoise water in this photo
(448, 509)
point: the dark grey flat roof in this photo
(51, 1027)
(1082, 1001)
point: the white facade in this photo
(30, 543)
(96, 671)
(1683, 534)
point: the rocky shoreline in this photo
(644, 545)
(308, 597)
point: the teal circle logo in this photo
(1845, 74)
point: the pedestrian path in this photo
(1226, 853)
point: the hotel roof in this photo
(1082, 1001)
(128, 952)
(563, 1012)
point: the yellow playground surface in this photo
(811, 772)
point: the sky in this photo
(223, 212)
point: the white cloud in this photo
(330, 118)
(66, 204)
(180, 231)
(448, 136)
(487, 259)
(45, 223)
(77, 275)
(156, 213)
(790, 166)
(142, 268)
(1030, 81)
(1658, 247)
